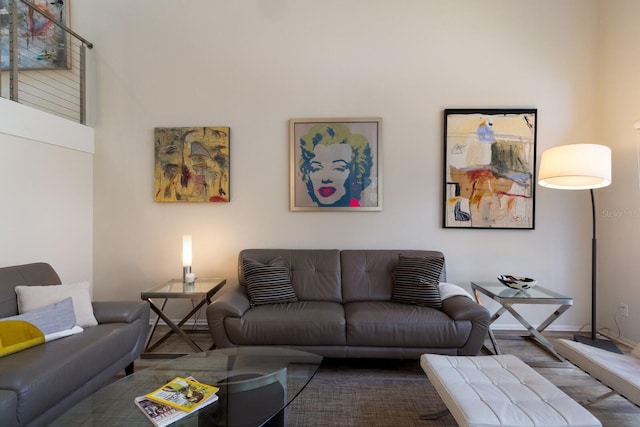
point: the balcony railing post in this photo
(13, 51)
(1, 66)
(83, 84)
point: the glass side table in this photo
(201, 289)
(508, 297)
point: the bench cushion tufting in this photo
(501, 391)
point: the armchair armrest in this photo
(462, 308)
(121, 311)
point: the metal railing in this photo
(43, 62)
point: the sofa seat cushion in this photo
(299, 323)
(390, 324)
(44, 375)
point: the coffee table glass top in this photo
(256, 384)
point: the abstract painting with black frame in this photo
(335, 164)
(489, 168)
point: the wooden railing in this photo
(43, 62)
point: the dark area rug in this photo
(382, 392)
(363, 392)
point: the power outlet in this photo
(624, 309)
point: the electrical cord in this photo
(194, 325)
(606, 331)
(584, 325)
(615, 320)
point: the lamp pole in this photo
(594, 268)
(581, 167)
(593, 340)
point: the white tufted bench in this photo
(501, 391)
(620, 372)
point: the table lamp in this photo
(581, 167)
(187, 255)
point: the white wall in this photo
(46, 207)
(619, 204)
(253, 65)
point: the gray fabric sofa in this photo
(40, 383)
(345, 310)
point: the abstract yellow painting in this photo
(191, 164)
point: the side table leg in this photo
(176, 329)
(538, 337)
(496, 315)
(549, 320)
(150, 347)
(155, 323)
(492, 337)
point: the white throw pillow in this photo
(34, 297)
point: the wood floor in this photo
(614, 411)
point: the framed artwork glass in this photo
(335, 164)
(41, 44)
(489, 168)
(191, 164)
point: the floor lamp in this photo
(581, 167)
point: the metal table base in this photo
(508, 297)
(203, 290)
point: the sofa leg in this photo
(128, 370)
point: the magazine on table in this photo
(175, 400)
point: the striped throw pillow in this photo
(270, 283)
(416, 281)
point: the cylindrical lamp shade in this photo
(187, 253)
(575, 167)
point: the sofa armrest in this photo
(8, 408)
(462, 308)
(232, 303)
(120, 311)
(135, 313)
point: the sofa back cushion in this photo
(367, 274)
(39, 273)
(315, 274)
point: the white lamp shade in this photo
(186, 251)
(575, 167)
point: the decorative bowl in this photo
(517, 282)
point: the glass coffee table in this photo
(256, 384)
(508, 297)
